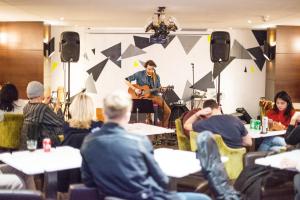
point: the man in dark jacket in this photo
(122, 164)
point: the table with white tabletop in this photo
(257, 133)
(178, 164)
(48, 163)
(279, 160)
(147, 129)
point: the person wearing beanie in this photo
(40, 121)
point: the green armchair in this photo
(234, 165)
(183, 140)
(10, 131)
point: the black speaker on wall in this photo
(69, 46)
(219, 46)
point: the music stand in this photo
(142, 106)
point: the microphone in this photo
(192, 64)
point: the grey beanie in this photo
(34, 89)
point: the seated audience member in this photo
(75, 130)
(38, 113)
(82, 113)
(292, 163)
(279, 117)
(9, 100)
(121, 164)
(10, 182)
(292, 136)
(15, 178)
(229, 127)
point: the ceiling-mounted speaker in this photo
(219, 46)
(69, 46)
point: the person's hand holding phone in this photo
(47, 100)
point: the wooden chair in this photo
(234, 165)
(183, 140)
(10, 130)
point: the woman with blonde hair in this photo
(82, 113)
(75, 130)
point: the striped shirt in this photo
(48, 123)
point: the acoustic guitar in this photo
(146, 91)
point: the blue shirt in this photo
(229, 127)
(122, 165)
(142, 78)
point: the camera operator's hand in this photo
(57, 106)
(47, 100)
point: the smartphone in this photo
(54, 97)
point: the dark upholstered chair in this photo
(249, 158)
(20, 195)
(80, 191)
(279, 192)
(71, 176)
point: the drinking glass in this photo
(31, 145)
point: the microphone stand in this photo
(193, 95)
(219, 88)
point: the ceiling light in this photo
(61, 18)
(161, 25)
(249, 21)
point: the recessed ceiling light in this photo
(76, 25)
(230, 28)
(61, 18)
(249, 21)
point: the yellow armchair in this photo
(10, 130)
(183, 140)
(234, 165)
(193, 140)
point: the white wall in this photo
(239, 89)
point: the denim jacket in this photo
(142, 78)
(122, 165)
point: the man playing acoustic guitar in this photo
(148, 77)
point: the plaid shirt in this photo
(49, 123)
